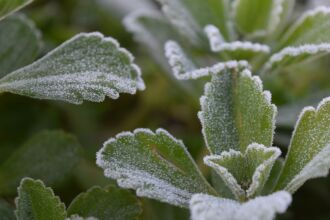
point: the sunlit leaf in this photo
(245, 174)
(205, 207)
(36, 201)
(49, 156)
(236, 112)
(20, 43)
(309, 151)
(157, 165)
(87, 67)
(106, 204)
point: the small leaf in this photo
(49, 156)
(245, 174)
(87, 67)
(309, 151)
(156, 165)
(20, 43)
(6, 211)
(236, 50)
(190, 17)
(236, 112)
(36, 201)
(205, 207)
(184, 69)
(9, 6)
(106, 204)
(312, 28)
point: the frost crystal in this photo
(87, 67)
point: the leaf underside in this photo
(87, 67)
(156, 165)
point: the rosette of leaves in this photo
(251, 180)
(88, 67)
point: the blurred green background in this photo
(163, 104)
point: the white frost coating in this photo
(276, 15)
(136, 161)
(218, 44)
(184, 69)
(205, 207)
(77, 217)
(86, 67)
(260, 174)
(318, 167)
(292, 52)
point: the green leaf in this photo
(9, 6)
(273, 177)
(312, 28)
(205, 207)
(236, 112)
(20, 43)
(156, 165)
(309, 150)
(49, 156)
(35, 201)
(190, 17)
(106, 204)
(245, 174)
(87, 67)
(6, 211)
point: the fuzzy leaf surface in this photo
(236, 112)
(156, 165)
(106, 204)
(35, 201)
(9, 6)
(245, 174)
(309, 150)
(86, 67)
(20, 43)
(49, 156)
(205, 207)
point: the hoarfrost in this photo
(205, 207)
(87, 67)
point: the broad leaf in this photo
(35, 201)
(157, 165)
(236, 112)
(190, 17)
(87, 67)
(9, 6)
(6, 211)
(49, 156)
(205, 207)
(309, 151)
(236, 50)
(184, 68)
(106, 204)
(312, 28)
(20, 43)
(245, 174)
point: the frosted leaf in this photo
(20, 43)
(252, 17)
(273, 177)
(87, 67)
(36, 201)
(156, 165)
(190, 17)
(57, 156)
(110, 203)
(280, 12)
(236, 112)
(237, 49)
(205, 207)
(8, 7)
(77, 217)
(184, 69)
(245, 174)
(312, 28)
(309, 151)
(293, 55)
